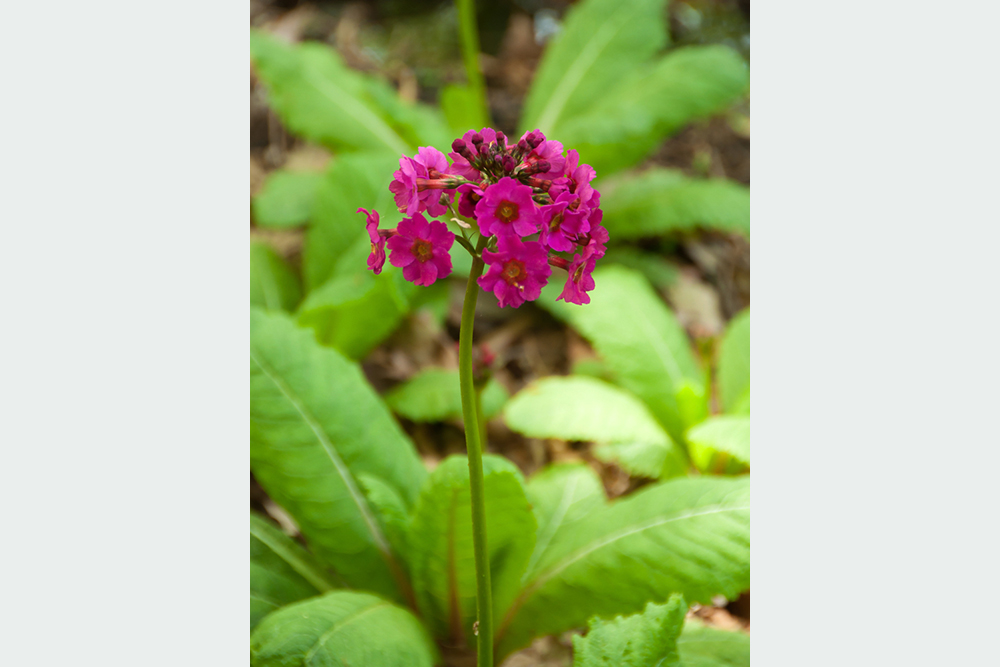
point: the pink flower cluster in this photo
(528, 200)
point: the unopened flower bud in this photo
(535, 138)
(502, 141)
(462, 149)
(477, 140)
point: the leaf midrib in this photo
(574, 73)
(336, 627)
(343, 472)
(300, 567)
(565, 502)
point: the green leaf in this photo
(441, 545)
(587, 409)
(631, 120)
(661, 201)
(561, 495)
(637, 336)
(281, 571)
(316, 425)
(689, 536)
(351, 182)
(725, 433)
(434, 395)
(648, 639)
(734, 365)
(599, 41)
(356, 310)
(462, 110)
(286, 199)
(701, 646)
(320, 99)
(273, 284)
(661, 273)
(342, 628)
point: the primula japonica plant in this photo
(524, 205)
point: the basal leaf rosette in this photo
(523, 209)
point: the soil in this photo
(414, 45)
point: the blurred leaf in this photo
(734, 365)
(392, 511)
(351, 182)
(342, 628)
(315, 426)
(434, 395)
(660, 201)
(701, 646)
(441, 545)
(689, 536)
(560, 496)
(273, 284)
(322, 100)
(356, 310)
(592, 367)
(286, 199)
(587, 409)
(599, 41)
(630, 121)
(648, 639)
(462, 110)
(637, 336)
(725, 433)
(281, 571)
(661, 273)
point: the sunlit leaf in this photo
(734, 365)
(648, 639)
(342, 628)
(273, 284)
(286, 199)
(434, 395)
(689, 536)
(701, 646)
(316, 425)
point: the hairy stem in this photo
(469, 37)
(474, 445)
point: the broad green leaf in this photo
(441, 546)
(462, 110)
(322, 100)
(734, 365)
(281, 571)
(689, 536)
(584, 408)
(637, 336)
(648, 639)
(316, 425)
(342, 628)
(273, 284)
(660, 201)
(355, 310)
(726, 433)
(631, 120)
(434, 395)
(701, 646)
(392, 511)
(287, 199)
(561, 495)
(600, 40)
(658, 271)
(644, 459)
(350, 182)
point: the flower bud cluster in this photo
(534, 206)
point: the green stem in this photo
(469, 37)
(474, 445)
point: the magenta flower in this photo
(376, 260)
(580, 281)
(507, 209)
(518, 271)
(416, 186)
(421, 249)
(469, 196)
(561, 226)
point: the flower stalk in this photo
(474, 445)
